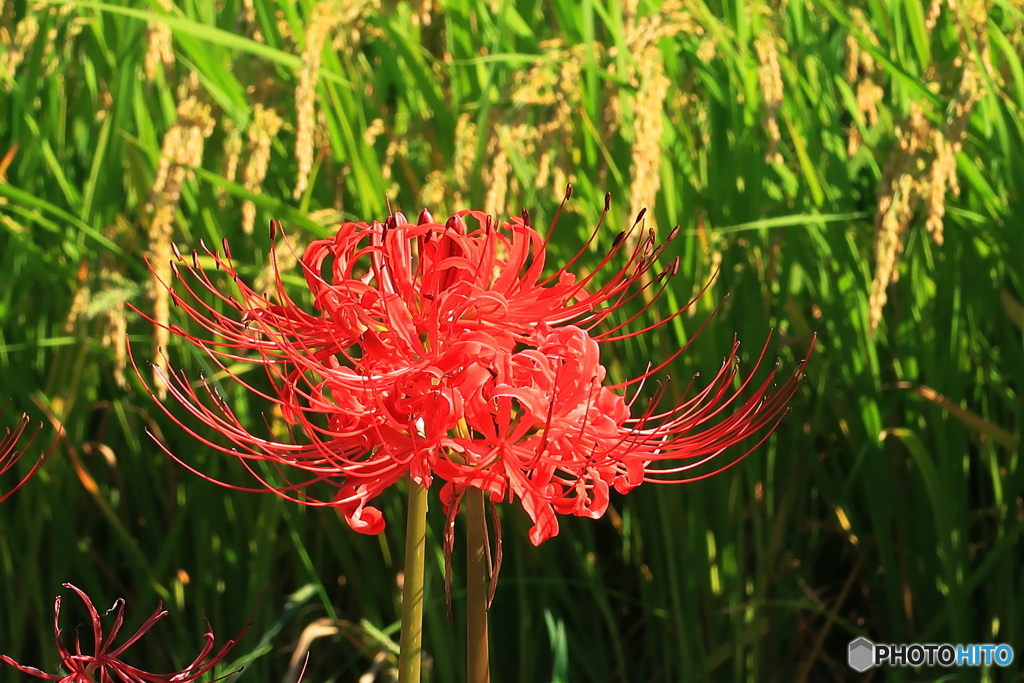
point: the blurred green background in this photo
(853, 171)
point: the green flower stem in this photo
(410, 654)
(477, 570)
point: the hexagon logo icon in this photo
(861, 655)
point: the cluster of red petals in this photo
(11, 450)
(104, 664)
(444, 350)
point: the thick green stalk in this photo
(410, 656)
(477, 571)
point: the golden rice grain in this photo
(266, 124)
(284, 27)
(673, 19)
(232, 154)
(115, 337)
(464, 160)
(159, 54)
(862, 74)
(373, 131)
(770, 76)
(645, 163)
(422, 14)
(324, 20)
(24, 36)
(932, 16)
(646, 71)
(182, 150)
(81, 299)
(250, 19)
(707, 51)
(924, 167)
(941, 178)
(496, 173)
(432, 192)
(552, 83)
(112, 281)
(396, 152)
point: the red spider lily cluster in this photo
(11, 452)
(104, 664)
(443, 349)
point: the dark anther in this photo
(640, 216)
(273, 230)
(618, 239)
(396, 219)
(568, 191)
(227, 249)
(607, 201)
(177, 254)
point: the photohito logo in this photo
(863, 654)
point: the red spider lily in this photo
(104, 664)
(11, 452)
(437, 349)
